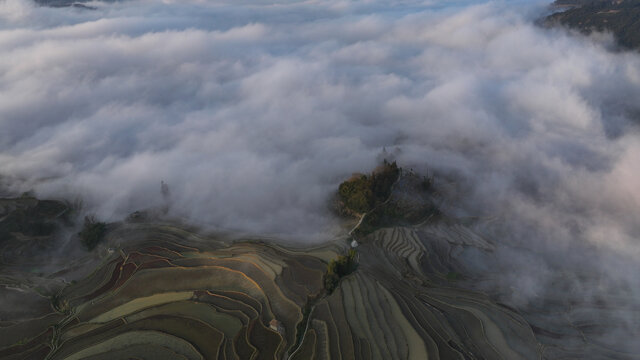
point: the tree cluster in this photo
(337, 268)
(92, 232)
(361, 193)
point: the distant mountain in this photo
(621, 17)
(80, 4)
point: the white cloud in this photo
(253, 112)
(288, 98)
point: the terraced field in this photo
(160, 291)
(396, 307)
(163, 291)
(174, 299)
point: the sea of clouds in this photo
(254, 111)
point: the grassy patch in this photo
(453, 276)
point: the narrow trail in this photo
(306, 329)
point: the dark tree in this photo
(92, 232)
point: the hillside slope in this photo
(161, 290)
(620, 17)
